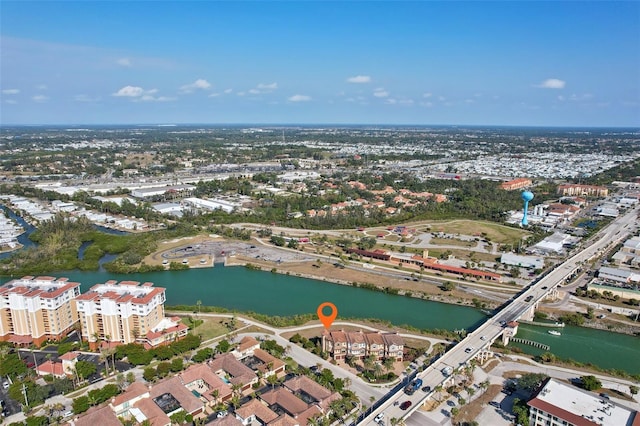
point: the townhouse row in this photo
(357, 344)
(36, 309)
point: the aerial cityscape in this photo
(319, 213)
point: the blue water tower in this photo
(526, 197)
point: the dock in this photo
(531, 343)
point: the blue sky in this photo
(539, 63)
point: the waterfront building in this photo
(342, 344)
(514, 184)
(126, 312)
(36, 309)
(558, 403)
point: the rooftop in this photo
(580, 407)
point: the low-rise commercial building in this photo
(561, 404)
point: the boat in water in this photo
(554, 332)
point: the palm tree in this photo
(198, 304)
(388, 364)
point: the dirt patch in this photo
(490, 365)
(472, 410)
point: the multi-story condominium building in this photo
(588, 190)
(356, 344)
(514, 184)
(120, 313)
(36, 309)
(558, 403)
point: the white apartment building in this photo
(36, 309)
(120, 313)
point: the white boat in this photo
(554, 332)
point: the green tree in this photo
(149, 374)
(80, 404)
(223, 346)
(634, 389)
(85, 369)
(591, 383)
(447, 286)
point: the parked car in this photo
(379, 417)
(405, 405)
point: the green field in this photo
(495, 232)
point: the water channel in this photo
(242, 289)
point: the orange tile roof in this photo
(103, 416)
(257, 408)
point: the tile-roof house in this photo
(226, 365)
(303, 385)
(255, 410)
(394, 346)
(286, 400)
(201, 379)
(188, 401)
(246, 347)
(134, 393)
(103, 416)
(270, 364)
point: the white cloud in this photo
(272, 86)
(442, 98)
(214, 95)
(254, 91)
(427, 95)
(124, 62)
(139, 94)
(359, 79)
(199, 84)
(552, 83)
(228, 91)
(130, 92)
(40, 98)
(41, 87)
(11, 101)
(391, 101)
(240, 93)
(10, 91)
(299, 98)
(561, 98)
(380, 93)
(426, 104)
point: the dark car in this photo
(426, 389)
(405, 405)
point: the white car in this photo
(5, 385)
(379, 417)
(469, 349)
(483, 337)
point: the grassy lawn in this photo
(497, 233)
(210, 327)
(453, 242)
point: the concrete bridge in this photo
(477, 344)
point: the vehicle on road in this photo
(469, 349)
(5, 385)
(447, 370)
(413, 386)
(405, 405)
(379, 417)
(426, 389)
(528, 299)
(483, 337)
